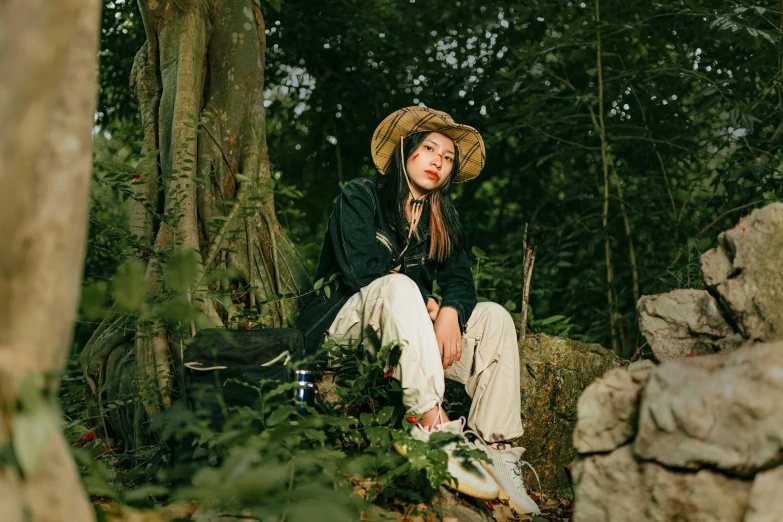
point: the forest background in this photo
(625, 170)
(625, 134)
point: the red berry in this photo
(137, 176)
(412, 418)
(145, 254)
(89, 437)
(690, 356)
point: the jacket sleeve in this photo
(352, 230)
(457, 287)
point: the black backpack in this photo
(216, 356)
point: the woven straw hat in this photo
(422, 119)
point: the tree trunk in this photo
(48, 53)
(199, 81)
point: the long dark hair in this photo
(445, 230)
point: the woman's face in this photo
(430, 165)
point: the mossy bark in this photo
(204, 185)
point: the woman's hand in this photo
(449, 337)
(433, 309)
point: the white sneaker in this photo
(506, 467)
(473, 479)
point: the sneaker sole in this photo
(502, 495)
(460, 486)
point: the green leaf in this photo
(366, 419)
(276, 5)
(279, 415)
(128, 289)
(550, 320)
(477, 252)
(31, 430)
(93, 300)
(241, 178)
(182, 270)
(385, 415)
(328, 292)
(377, 435)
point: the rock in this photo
(608, 488)
(745, 271)
(765, 503)
(703, 496)
(554, 372)
(616, 487)
(641, 364)
(742, 304)
(607, 411)
(685, 322)
(720, 411)
(449, 504)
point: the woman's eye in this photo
(449, 159)
(428, 147)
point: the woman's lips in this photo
(432, 175)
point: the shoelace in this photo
(517, 467)
(438, 425)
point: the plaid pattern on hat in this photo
(422, 119)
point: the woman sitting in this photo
(389, 238)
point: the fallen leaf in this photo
(501, 513)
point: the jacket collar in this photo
(423, 227)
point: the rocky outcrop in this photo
(618, 487)
(607, 411)
(720, 412)
(746, 272)
(555, 372)
(685, 322)
(765, 502)
(742, 301)
(696, 438)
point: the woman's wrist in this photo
(448, 313)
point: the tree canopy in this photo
(684, 98)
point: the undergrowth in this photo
(272, 461)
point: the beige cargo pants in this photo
(392, 308)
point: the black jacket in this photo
(360, 247)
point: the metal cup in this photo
(305, 393)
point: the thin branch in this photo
(537, 129)
(605, 161)
(217, 241)
(703, 230)
(651, 140)
(631, 249)
(528, 260)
